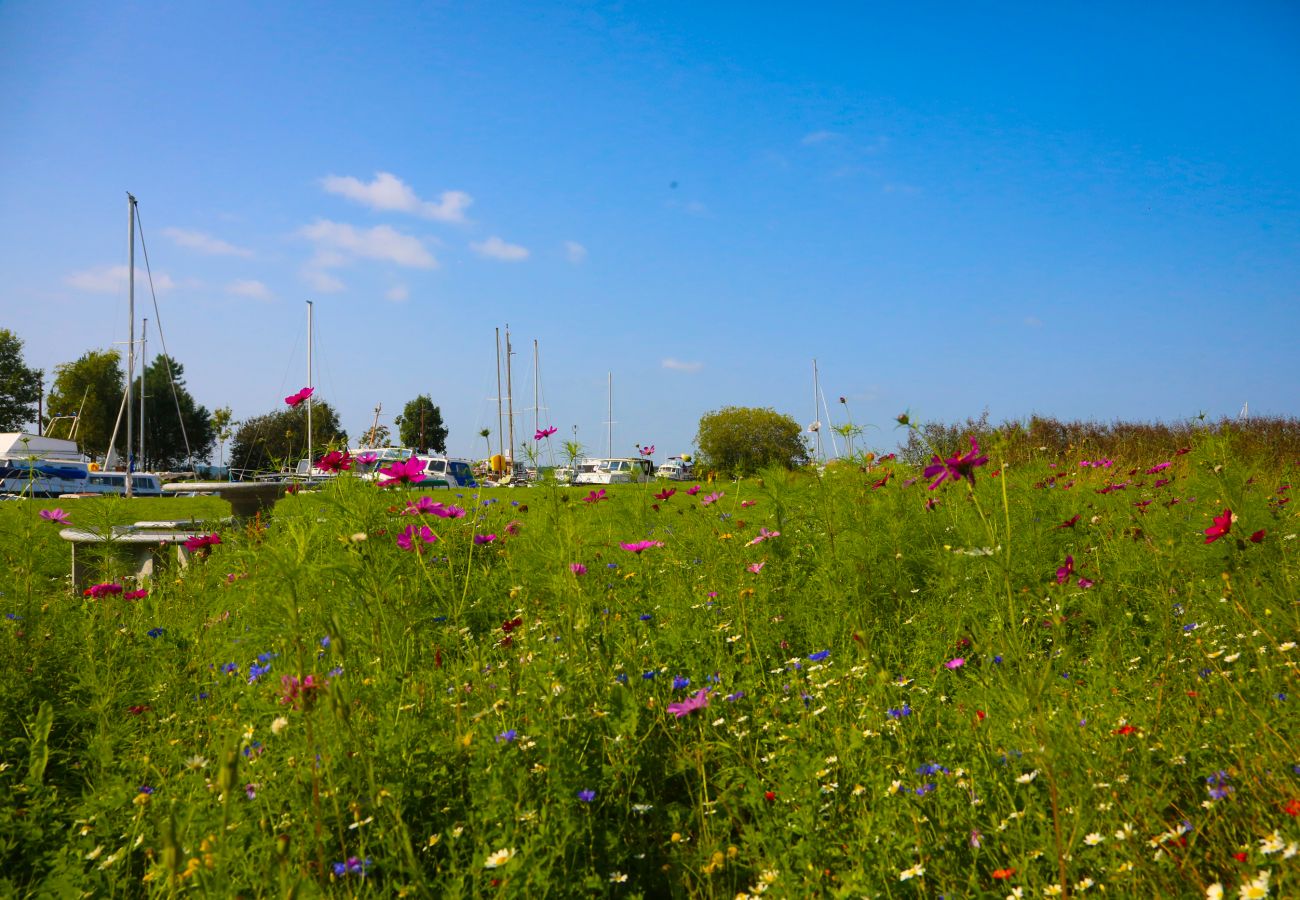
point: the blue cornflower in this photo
(586, 796)
(336, 671)
(145, 789)
(506, 736)
(819, 655)
(255, 747)
(264, 658)
(998, 659)
(732, 698)
(155, 632)
(932, 769)
(230, 667)
(439, 618)
(352, 866)
(621, 678)
(646, 617)
(924, 789)
(899, 713)
(611, 565)
(1191, 626)
(325, 642)
(255, 671)
(680, 681)
(648, 675)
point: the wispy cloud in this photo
(678, 365)
(322, 282)
(901, 188)
(113, 279)
(340, 243)
(204, 243)
(388, 193)
(575, 252)
(398, 293)
(818, 137)
(495, 248)
(249, 288)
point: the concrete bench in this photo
(141, 538)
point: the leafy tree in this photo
(93, 385)
(164, 442)
(223, 426)
(270, 440)
(420, 425)
(742, 439)
(20, 387)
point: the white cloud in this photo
(495, 248)
(818, 137)
(678, 365)
(398, 293)
(390, 194)
(1033, 321)
(322, 282)
(204, 243)
(340, 242)
(575, 251)
(249, 288)
(113, 279)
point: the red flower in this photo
(1001, 874)
(769, 796)
(1239, 857)
(1069, 523)
(1125, 729)
(665, 493)
(1292, 807)
(295, 399)
(1257, 537)
(1064, 572)
(1222, 525)
(335, 461)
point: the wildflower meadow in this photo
(1057, 677)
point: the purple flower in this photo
(408, 472)
(639, 546)
(484, 538)
(899, 713)
(680, 681)
(712, 498)
(956, 663)
(577, 568)
(506, 736)
(690, 704)
(586, 796)
(57, 516)
(819, 655)
(956, 467)
(411, 538)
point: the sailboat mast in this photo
(817, 392)
(144, 364)
(510, 401)
(537, 391)
(501, 451)
(130, 340)
(610, 453)
(309, 384)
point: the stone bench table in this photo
(143, 539)
(246, 498)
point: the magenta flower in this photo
(425, 506)
(408, 472)
(300, 692)
(135, 595)
(99, 591)
(956, 663)
(641, 545)
(1064, 572)
(335, 461)
(408, 539)
(295, 399)
(690, 704)
(756, 567)
(595, 496)
(57, 516)
(1158, 467)
(648, 451)
(665, 493)
(763, 535)
(956, 467)
(577, 568)
(202, 543)
(545, 433)
(712, 498)
(450, 512)
(366, 458)
(746, 504)
(1085, 583)
(484, 538)
(1222, 525)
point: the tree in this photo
(164, 441)
(92, 386)
(741, 440)
(223, 426)
(420, 425)
(279, 438)
(20, 387)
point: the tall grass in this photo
(902, 700)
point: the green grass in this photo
(1072, 745)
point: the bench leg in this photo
(144, 563)
(80, 572)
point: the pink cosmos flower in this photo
(648, 451)
(1085, 583)
(202, 543)
(1222, 525)
(98, 591)
(1064, 572)
(135, 595)
(296, 691)
(408, 539)
(1258, 536)
(1158, 467)
(57, 516)
(366, 458)
(638, 546)
(756, 567)
(577, 568)
(595, 496)
(335, 461)
(690, 704)
(295, 399)
(424, 506)
(484, 538)
(665, 493)
(746, 504)
(712, 498)
(692, 491)
(956, 663)
(763, 535)
(545, 433)
(956, 467)
(408, 472)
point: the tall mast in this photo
(537, 391)
(130, 340)
(144, 363)
(817, 392)
(501, 450)
(309, 384)
(610, 422)
(510, 401)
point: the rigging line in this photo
(189, 453)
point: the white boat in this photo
(625, 470)
(35, 466)
(675, 468)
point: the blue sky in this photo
(1084, 211)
